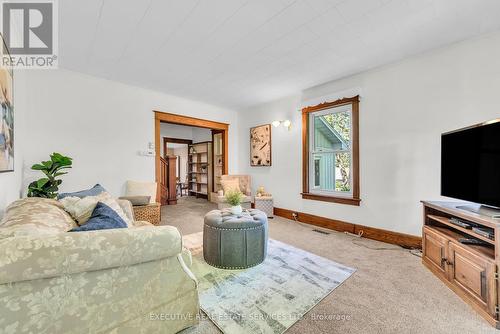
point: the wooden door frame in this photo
(167, 140)
(164, 117)
(216, 132)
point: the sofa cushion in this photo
(35, 216)
(103, 218)
(138, 188)
(94, 191)
(81, 208)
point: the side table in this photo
(150, 213)
(265, 204)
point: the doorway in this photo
(166, 178)
(178, 148)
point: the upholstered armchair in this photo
(242, 183)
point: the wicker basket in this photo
(150, 213)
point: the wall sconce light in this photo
(286, 123)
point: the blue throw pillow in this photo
(103, 218)
(94, 191)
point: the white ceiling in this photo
(237, 53)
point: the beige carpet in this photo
(391, 291)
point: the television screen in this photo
(470, 164)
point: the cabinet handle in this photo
(483, 284)
(449, 263)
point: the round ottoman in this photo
(235, 241)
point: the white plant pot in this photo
(236, 210)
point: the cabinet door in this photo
(434, 248)
(474, 275)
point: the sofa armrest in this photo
(140, 223)
(34, 257)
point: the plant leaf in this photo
(42, 182)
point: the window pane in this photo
(332, 131)
(324, 171)
(317, 172)
(343, 172)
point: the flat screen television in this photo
(470, 164)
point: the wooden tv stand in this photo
(471, 271)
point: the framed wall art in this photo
(260, 146)
(6, 115)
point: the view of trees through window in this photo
(341, 123)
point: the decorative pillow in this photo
(137, 188)
(35, 216)
(230, 185)
(94, 191)
(81, 208)
(137, 200)
(103, 217)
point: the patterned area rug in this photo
(270, 297)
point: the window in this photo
(330, 152)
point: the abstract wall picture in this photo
(260, 145)
(6, 116)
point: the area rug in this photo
(270, 297)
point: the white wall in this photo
(182, 153)
(176, 131)
(102, 125)
(201, 134)
(403, 110)
(11, 183)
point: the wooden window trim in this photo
(355, 198)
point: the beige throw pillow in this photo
(138, 188)
(35, 216)
(230, 185)
(81, 208)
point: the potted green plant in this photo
(48, 186)
(234, 198)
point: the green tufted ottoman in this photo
(235, 241)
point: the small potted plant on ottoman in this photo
(234, 198)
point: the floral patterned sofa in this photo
(129, 280)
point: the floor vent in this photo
(320, 231)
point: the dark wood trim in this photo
(396, 238)
(305, 152)
(163, 117)
(171, 179)
(270, 145)
(167, 140)
(355, 148)
(307, 218)
(177, 140)
(355, 199)
(328, 105)
(332, 199)
(190, 121)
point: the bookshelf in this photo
(199, 169)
